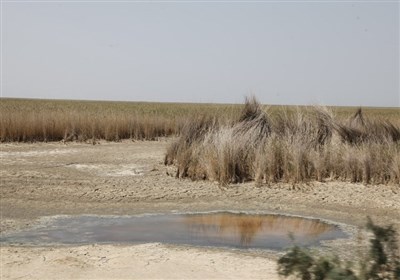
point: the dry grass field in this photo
(31, 120)
(228, 143)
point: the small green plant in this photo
(381, 262)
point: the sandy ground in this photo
(127, 178)
(132, 262)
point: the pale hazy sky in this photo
(293, 52)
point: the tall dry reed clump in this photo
(289, 146)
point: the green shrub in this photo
(381, 262)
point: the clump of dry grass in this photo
(359, 129)
(296, 146)
(192, 134)
(206, 150)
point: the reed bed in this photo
(289, 145)
(28, 120)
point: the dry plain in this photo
(41, 180)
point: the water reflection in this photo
(245, 228)
(222, 229)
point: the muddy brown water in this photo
(220, 229)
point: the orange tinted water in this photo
(221, 229)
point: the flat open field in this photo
(46, 179)
(28, 120)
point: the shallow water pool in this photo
(218, 229)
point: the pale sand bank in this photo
(145, 261)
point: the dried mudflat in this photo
(46, 179)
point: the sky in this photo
(343, 53)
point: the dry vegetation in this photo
(27, 120)
(228, 143)
(289, 146)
